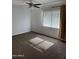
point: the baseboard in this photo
(20, 33)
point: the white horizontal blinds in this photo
(47, 18)
(55, 18)
(51, 18)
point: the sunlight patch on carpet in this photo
(40, 44)
(45, 45)
(36, 40)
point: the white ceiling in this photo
(45, 3)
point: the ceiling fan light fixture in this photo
(31, 4)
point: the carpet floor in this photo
(35, 46)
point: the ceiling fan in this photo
(31, 4)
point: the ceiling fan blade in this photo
(37, 4)
(30, 4)
(27, 3)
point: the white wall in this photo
(21, 21)
(37, 25)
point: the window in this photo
(51, 18)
